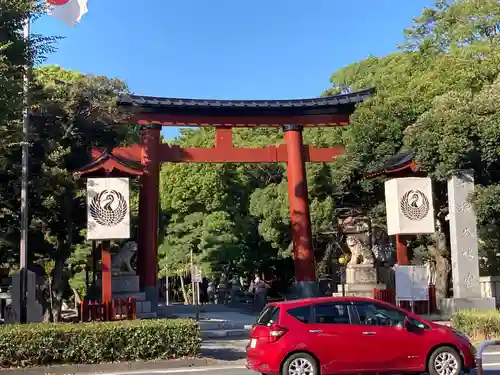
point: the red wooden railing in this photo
(97, 311)
(421, 307)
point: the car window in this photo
(418, 324)
(331, 313)
(301, 313)
(377, 315)
(268, 316)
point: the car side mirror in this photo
(408, 324)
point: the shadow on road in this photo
(223, 354)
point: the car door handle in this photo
(368, 333)
(315, 331)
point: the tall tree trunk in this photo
(184, 292)
(59, 282)
(60, 277)
(51, 297)
(323, 267)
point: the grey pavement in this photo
(223, 370)
(233, 370)
(224, 350)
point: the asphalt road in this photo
(232, 371)
(231, 354)
(225, 370)
(491, 367)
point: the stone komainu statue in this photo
(358, 234)
(121, 261)
(364, 251)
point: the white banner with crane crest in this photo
(108, 208)
(409, 206)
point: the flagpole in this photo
(23, 253)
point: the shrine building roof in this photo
(104, 163)
(401, 163)
(343, 104)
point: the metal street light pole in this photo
(23, 248)
(167, 288)
(192, 276)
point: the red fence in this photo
(421, 307)
(97, 311)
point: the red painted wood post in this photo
(92, 311)
(128, 310)
(83, 311)
(401, 251)
(112, 310)
(106, 292)
(147, 257)
(305, 272)
(120, 308)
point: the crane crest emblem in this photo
(415, 205)
(108, 208)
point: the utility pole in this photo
(192, 276)
(23, 248)
(167, 287)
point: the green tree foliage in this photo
(15, 54)
(69, 113)
(437, 96)
(73, 114)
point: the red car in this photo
(351, 335)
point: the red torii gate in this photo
(291, 115)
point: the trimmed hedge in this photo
(478, 325)
(44, 344)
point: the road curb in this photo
(88, 369)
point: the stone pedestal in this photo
(34, 310)
(361, 279)
(125, 285)
(451, 305)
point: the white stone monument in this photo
(464, 247)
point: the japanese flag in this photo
(68, 11)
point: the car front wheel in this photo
(300, 364)
(445, 361)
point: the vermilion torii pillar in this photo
(300, 217)
(147, 261)
(291, 115)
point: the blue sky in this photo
(228, 49)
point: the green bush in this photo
(43, 344)
(478, 324)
